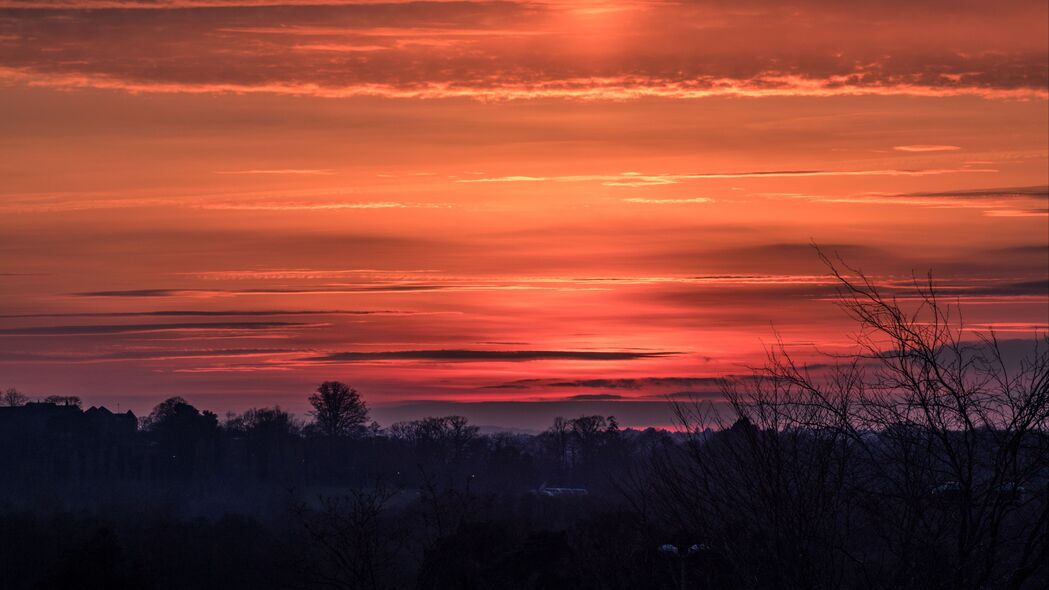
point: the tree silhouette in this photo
(338, 409)
(919, 460)
(177, 418)
(13, 398)
(183, 434)
(63, 400)
(352, 542)
(270, 423)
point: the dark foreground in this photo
(89, 500)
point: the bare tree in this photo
(338, 409)
(13, 398)
(263, 423)
(461, 433)
(588, 436)
(560, 434)
(921, 459)
(962, 428)
(353, 545)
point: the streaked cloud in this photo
(149, 293)
(529, 49)
(669, 201)
(594, 397)
(310, 273)
(923, 147)
(281, 171)
(1042, 212)
(457, 355)
(207, 313)
(316, 206)
(87, 330)
(144, 355)
(993, 202)
(50, 202)
(584, 89)
(637, 179)
(633, 383)
(1036, 192)
(375, 288)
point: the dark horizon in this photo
(594, 396)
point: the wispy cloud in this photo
(320, 200)
(316, 206)
(281, 171)
(341, 47)
(994, 202)
(144, 355)
(636, 179)
(207, 313)
(1043, 212)
(310, 273)
(922, 147)
(632, 383)
(149, 293)
(460, 355)
(1037, 192)
(669, 201)
(139, 328)
(523, 284)
(586, 89)
(528, 49)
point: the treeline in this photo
(181, 498)
(56, 442)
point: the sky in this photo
(507, 210)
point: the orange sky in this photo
(576, 204)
